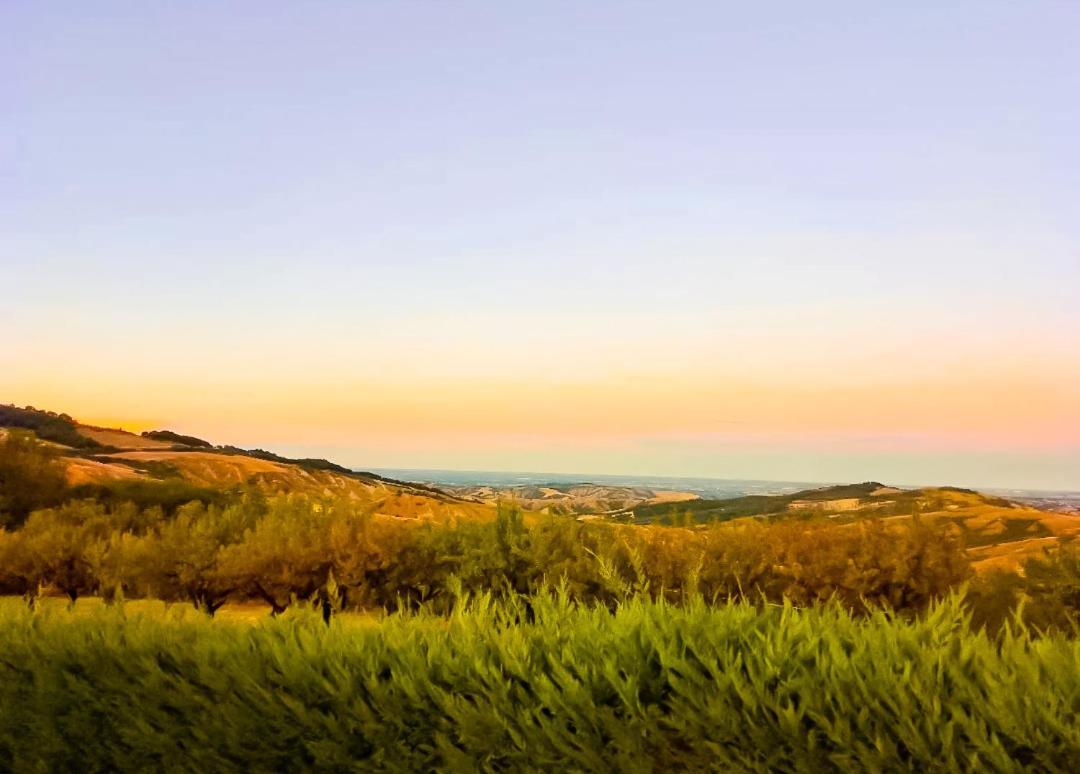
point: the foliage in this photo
(180, 558)
(60, 547)
(181, 440)
(309, 463)
(286, 548)
(537, 685)
(287, 554)
(30, 477)
(47, 425)
(168, 494)
(1053, 587)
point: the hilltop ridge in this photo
(98, 458)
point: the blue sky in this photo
(324, 196)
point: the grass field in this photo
(542, 685)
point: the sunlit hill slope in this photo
(999, 533)
(97, 457)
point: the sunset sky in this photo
(818, 242)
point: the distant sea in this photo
(704, 487)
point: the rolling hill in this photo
(999, 533)
(97, 458)
(573, 499)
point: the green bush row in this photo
(537, 685)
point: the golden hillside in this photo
(110, 457)
(581, 498)
(999, 533)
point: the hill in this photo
(572, 499)
(166, 468)
(999, 533)
(163, 465)
(709, 510)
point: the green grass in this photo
(532, 686)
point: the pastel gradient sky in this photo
(828, 241)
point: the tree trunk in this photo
(275, 608)
(212, 606)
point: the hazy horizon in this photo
(834, 243)
(659, 481)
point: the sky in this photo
(835, 241)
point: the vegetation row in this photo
(541, 684)
(171, 541)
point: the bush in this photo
(1052, 588)
(284, 555)
(865, 564)
(168, 494)
(182, 440)
(60, 548)
(539, 686)
(31, 477)
(181, 558)
(59, 428)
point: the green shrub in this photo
(30, 477)
(47, 425)
(543, 686)
(168, 494)
(176, 438)
(1052, 588)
